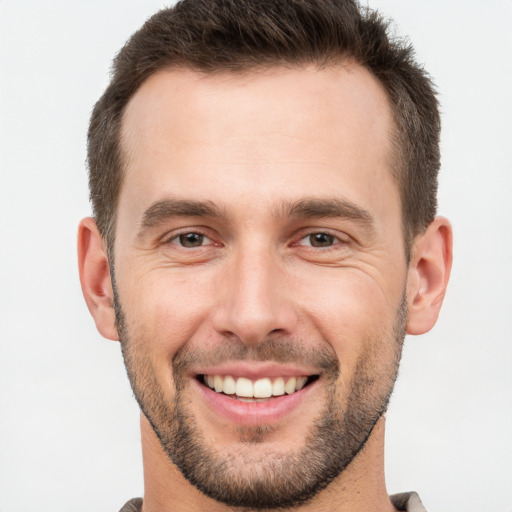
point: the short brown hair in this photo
(239, 35)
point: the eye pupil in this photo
(191, 239)
(321, 240)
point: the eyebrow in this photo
(161, 211)
(323, 208)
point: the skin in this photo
(252, 145)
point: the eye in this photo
(319, 240)
(190, 240)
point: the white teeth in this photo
(301, 382)
(289, 387)
(244, 388)
(262, 388)
(218, 383)
(278, 387)
(229, 386)
(259, 389)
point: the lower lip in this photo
(254, 413)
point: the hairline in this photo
(396, 142)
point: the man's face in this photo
(259, 251)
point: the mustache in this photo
(280, 350)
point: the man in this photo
(263, 177)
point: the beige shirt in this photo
(407, 501)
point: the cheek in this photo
(166, 309)
(353, 311)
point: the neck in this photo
(360, 487)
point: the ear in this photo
(95, 279)
(428, 275)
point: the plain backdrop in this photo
(69, 434)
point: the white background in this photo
(69, 438)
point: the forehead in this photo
(222, 137)
(344, 94)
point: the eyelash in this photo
(175, 238)
(335, 240)
(332, 240)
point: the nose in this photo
(253, 299)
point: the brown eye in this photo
(320, 240)
(190, 240)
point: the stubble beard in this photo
(270, 480)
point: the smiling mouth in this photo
(260, 390)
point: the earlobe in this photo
(428, 276)
(95, 278)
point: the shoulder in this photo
(408, 502)
(134, 505)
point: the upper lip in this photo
(255, 370)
